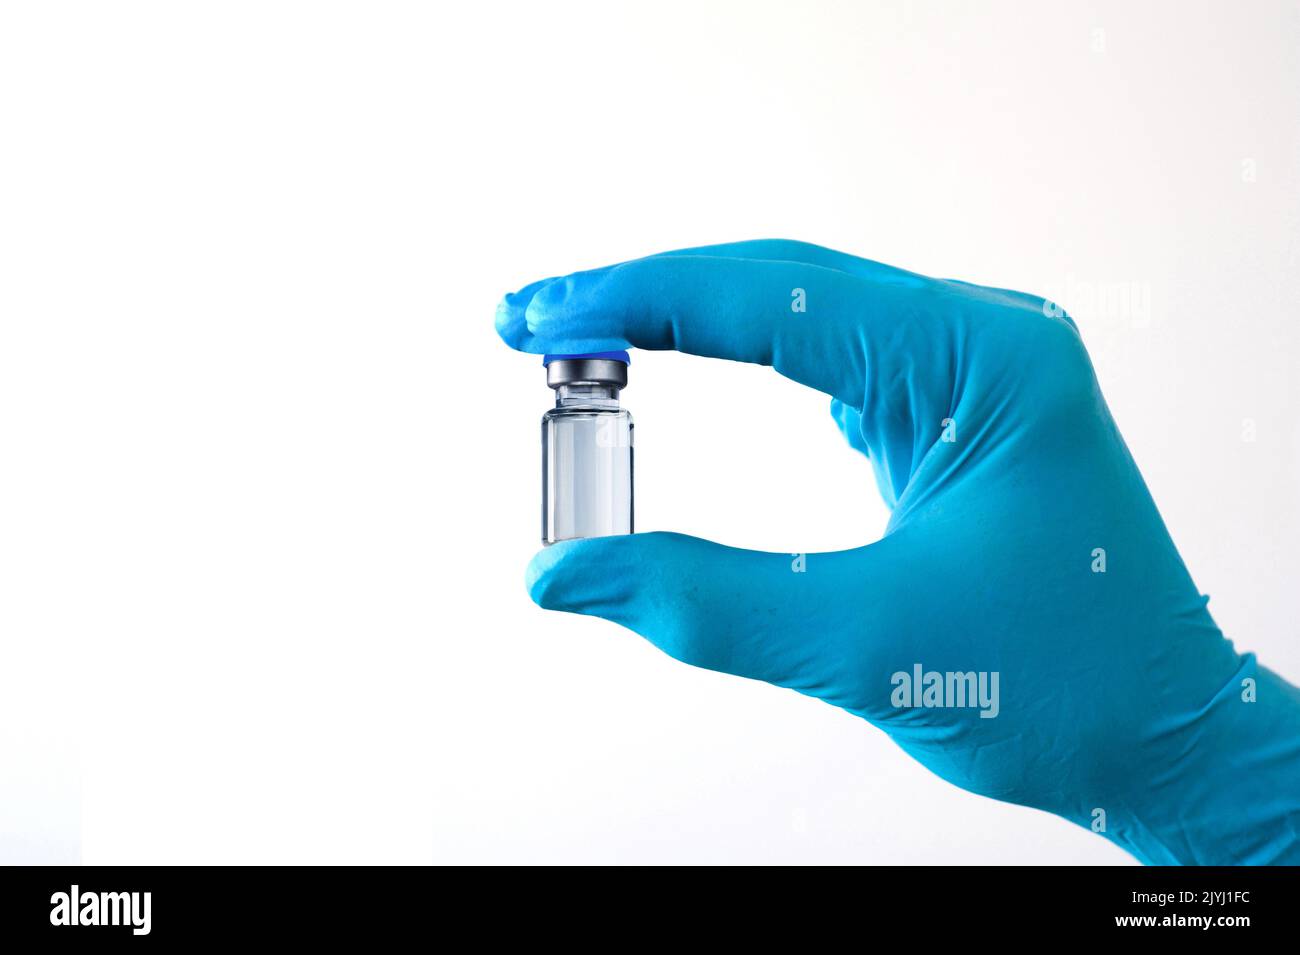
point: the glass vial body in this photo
(586, 464)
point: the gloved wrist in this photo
(1229, 794)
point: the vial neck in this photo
(586, 395)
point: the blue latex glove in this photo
(1007, 480)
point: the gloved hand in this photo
(1023, 546)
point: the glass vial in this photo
(586, 448)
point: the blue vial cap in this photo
(596, 355)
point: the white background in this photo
(269, 480)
